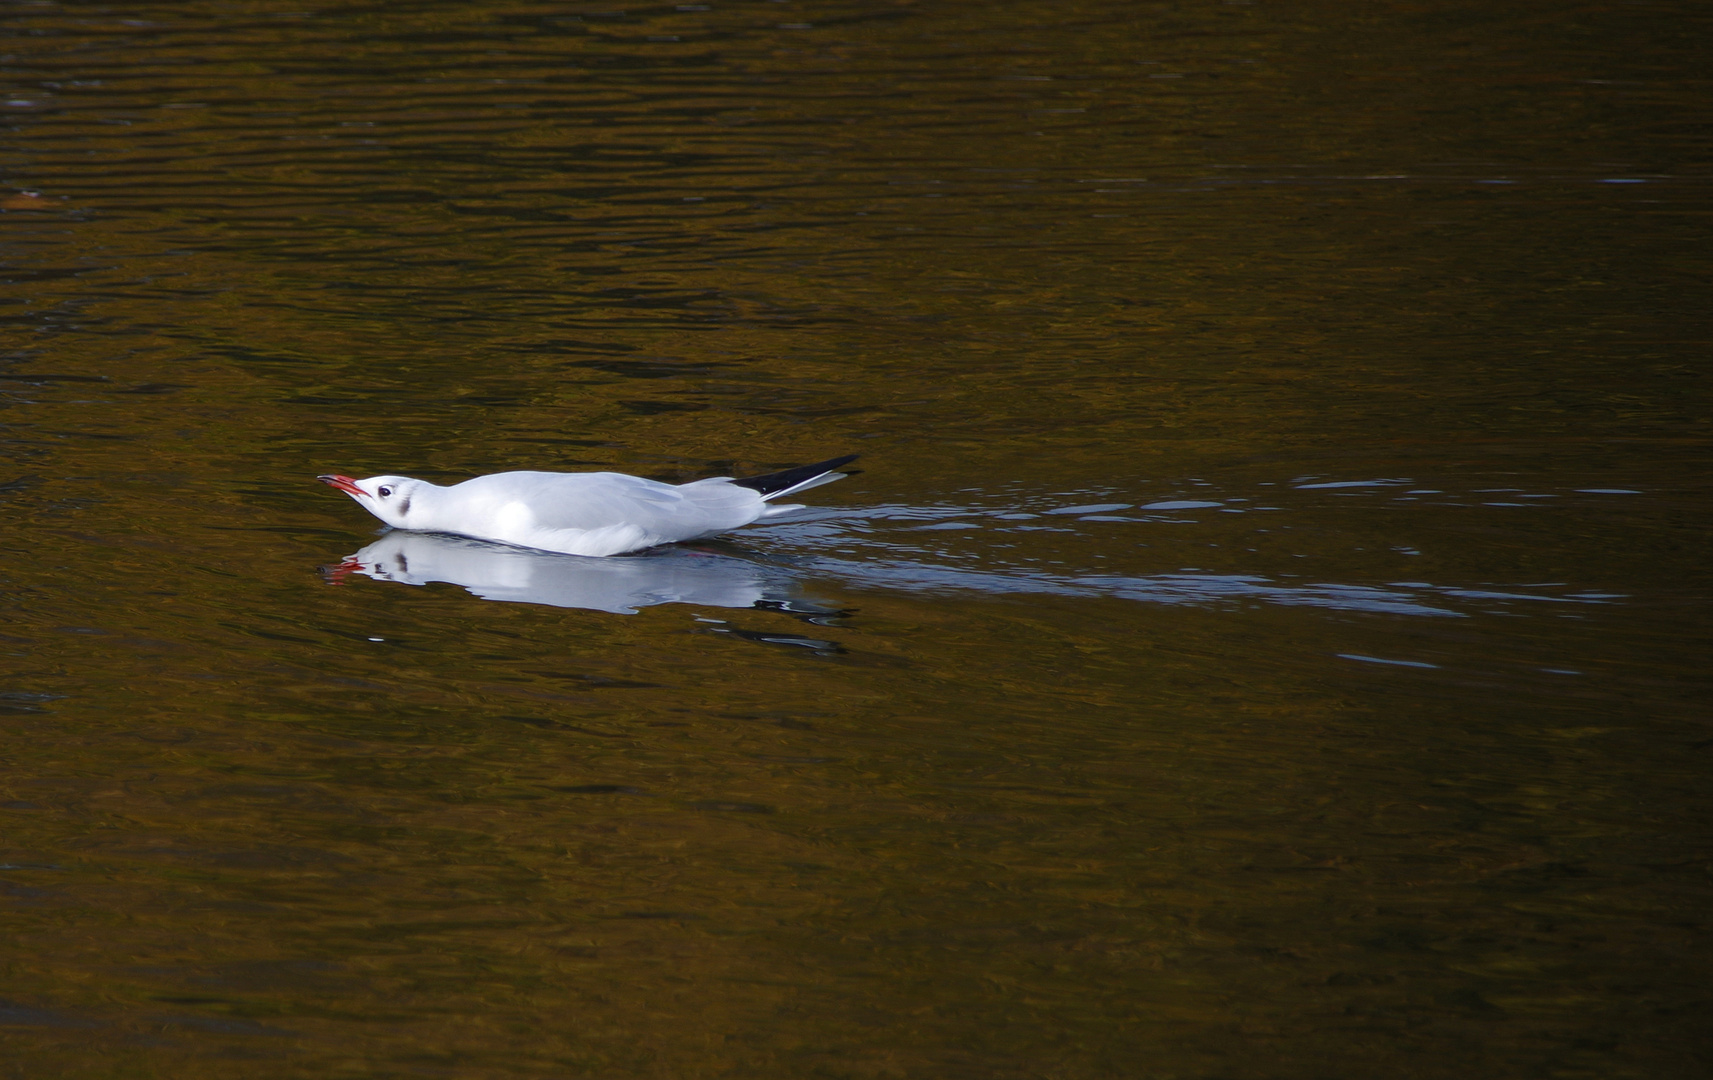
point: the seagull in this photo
(600, 513)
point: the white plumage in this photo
(599, 513)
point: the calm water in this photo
(1269, 638)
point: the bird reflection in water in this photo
(620, 584)
(718, 573)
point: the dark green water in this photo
(1269, 638)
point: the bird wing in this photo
(585, 502)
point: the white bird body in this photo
(599, 513)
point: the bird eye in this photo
(386, 493)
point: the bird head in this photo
(386, 497)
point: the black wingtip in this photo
(768, 483)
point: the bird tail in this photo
(791, 481)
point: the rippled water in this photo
(1268, 639)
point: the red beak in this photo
(343, 483)
(337, 575)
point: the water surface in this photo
(1268, 638)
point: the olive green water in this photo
(1269, 638)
